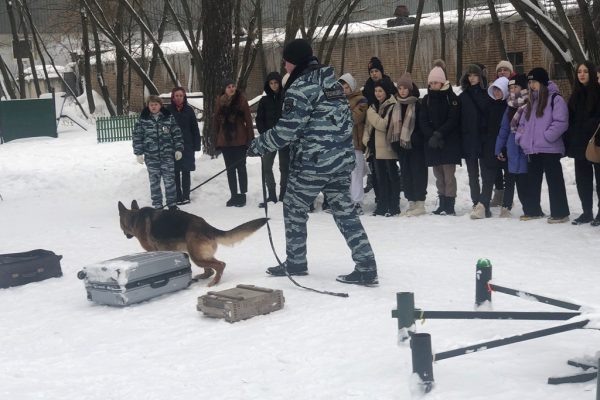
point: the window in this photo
(559, 71)
(516, 59)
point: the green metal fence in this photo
(115, 129)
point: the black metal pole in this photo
(405, 313)
(509, 340)
(536, 297)
(517, 315)
(483, 275)
(422, 359)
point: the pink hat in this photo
(436, 75)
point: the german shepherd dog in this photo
(176, 230)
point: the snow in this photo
(61, 194)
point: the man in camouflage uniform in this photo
(317, 124)
(158, 142)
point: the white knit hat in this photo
(436, 75)
(349, 79)
(505, 64)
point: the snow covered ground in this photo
(61, 194)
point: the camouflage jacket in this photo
(316, 122)
(157, 139)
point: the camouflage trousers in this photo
(166, 171)
(302, 189)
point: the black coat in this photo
(474, 104)
(583, 121)
(440, 111)
(186, 119)
(269, 106)
(496, 109)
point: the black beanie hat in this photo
(520, 80)
(226, 82)
(375, 63)
(540, 75)
(297, 51)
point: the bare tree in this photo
(497, 29)
(415, 36)
(38, 48)
(459, 38)
(36, 83)
(15, 44)
(350, 5)
(8, 86)
(250, 48)
(100, 71)
(442, 31)
(216, 33)
(87, 70)
(591, 35)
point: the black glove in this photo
(436, 141)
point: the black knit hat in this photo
(375, 63)
(226, 82)
(540, 75)
(520, 80)
(297, 51)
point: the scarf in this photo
(401, 129)
(517, 100)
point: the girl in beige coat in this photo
(375, 138)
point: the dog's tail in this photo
(239, 233)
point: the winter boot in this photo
(280, 270)
(272, 198)
(231, 201)
(505, 213)
(418, 209)
(497, 198)
(411, 206)
(368, 278)
(584, 218)
(240, 200)
(478, 211)
(442, 207)
(596, 221)
(449, 209)
(557, 220)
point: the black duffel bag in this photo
(32, 266)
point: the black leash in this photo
(264, 192)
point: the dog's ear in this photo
(122, 208)
(134, 205)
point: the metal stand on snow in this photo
(423, 357)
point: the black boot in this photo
(442, 207)
(240, 200)
(449, 206)
(232, 200)
(271, 198)
(280, 270)
(368, 278)
(584, 218)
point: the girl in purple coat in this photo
(507, 148)
(544, 120)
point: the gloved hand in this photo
(436, 141)
(252, 150)
(178, 155)
(140, 159)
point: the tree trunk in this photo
(237, 36)
(87, 70)
(37, 44)
(216, 35)
(351, 5)
(161, 34)
(120, 60)
(459, 38)
(344, 42)
(442, 31)
(100, 72)
(15, 43)
(250, 50)
(415, 37)
(590, 34)
(497, 29)
(10, 93)
(36, 82)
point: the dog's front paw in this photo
(205, 275)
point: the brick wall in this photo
(392, 47)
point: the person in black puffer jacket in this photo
(267, 115)
(186, 119)
(584, 117)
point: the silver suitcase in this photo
(137, 277)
